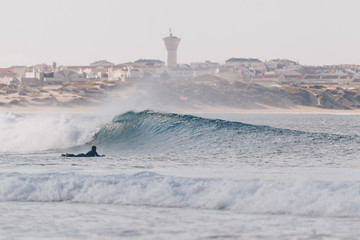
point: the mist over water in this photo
(181, 96)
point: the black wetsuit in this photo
(91, 153)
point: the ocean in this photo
(176, 176)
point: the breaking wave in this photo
(153, 132)
(150, 132)
(292, 197)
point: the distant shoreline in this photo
(216, 95)
(198, 110)
(272, 110)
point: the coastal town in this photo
(53, 84)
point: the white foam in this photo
(292, 197)
(37, 132)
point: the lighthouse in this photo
(171, 44)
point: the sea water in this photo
(174, 176)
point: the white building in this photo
(7, 73)
(33, 76)
(248, 62)
(64, 77)
(117, 74)
(327, 78)
(10, 81)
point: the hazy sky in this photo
(78, 32)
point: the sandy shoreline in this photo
(53, 99)
(198, 110)
(273, 110)
(43, 109)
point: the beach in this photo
(194, 110)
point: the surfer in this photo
(91, 153)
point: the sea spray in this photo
(38, 132)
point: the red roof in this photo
(7, 70)
(84, 86)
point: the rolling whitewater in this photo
(175, 176)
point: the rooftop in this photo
(243, 60)
(6, 70)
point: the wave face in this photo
(175, 137)
(292, 197)
(185, 135)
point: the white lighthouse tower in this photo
(171, 45)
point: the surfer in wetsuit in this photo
(91, 153)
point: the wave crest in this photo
(150, 132)
(294, 197)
